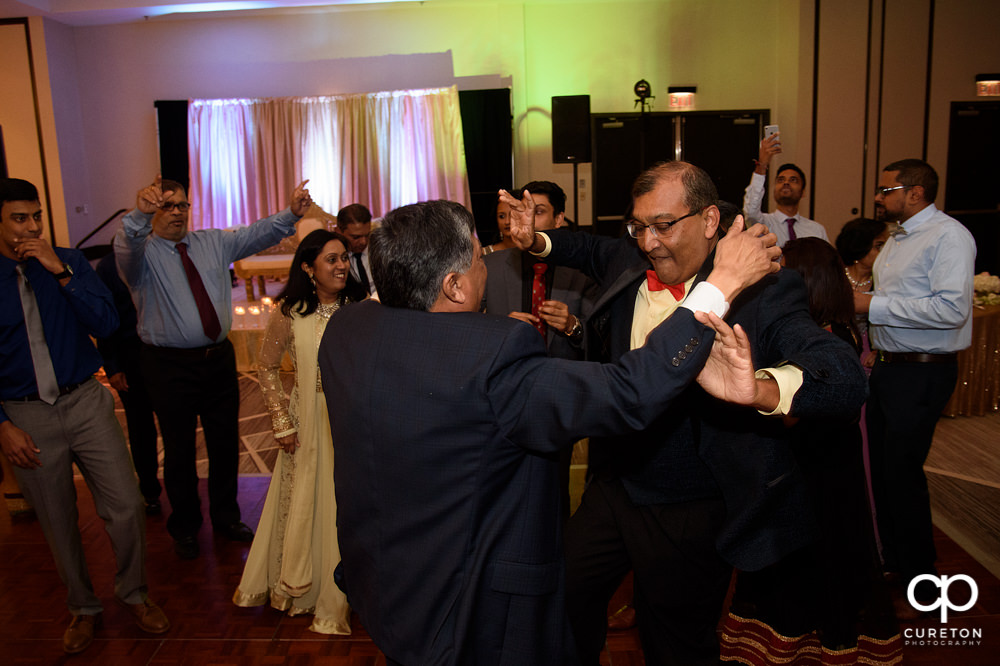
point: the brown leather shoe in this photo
(80, 633)
(624, 618)
(148, 616)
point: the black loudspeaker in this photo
(171, 122)
(571, 129)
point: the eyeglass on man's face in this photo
(638, 230)
(169, 206)
(885, 190)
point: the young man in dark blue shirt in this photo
(54, 413)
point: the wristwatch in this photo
(577, 328)
(67, 272)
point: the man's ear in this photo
(453, 288)
(560, 220)
(711, 221)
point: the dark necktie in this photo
(538, 294)
(209, 319)
(45, 375)
(791, 228)
(362, 273)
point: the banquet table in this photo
(977, 391)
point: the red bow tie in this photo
(653, 284)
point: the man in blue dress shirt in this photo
(55, 413)
(181, 287)
(919, 318)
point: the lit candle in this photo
(254, 316)
(239, 315)
(266, 304)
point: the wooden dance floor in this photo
(209, 629)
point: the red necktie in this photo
(791, 228)
(653, 284)
(209, 319)
(538, 294)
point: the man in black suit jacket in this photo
(708, 485)
(444, 421)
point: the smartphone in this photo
(770, 130)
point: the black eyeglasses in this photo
(885, 190)
(638, 230)
(168, 206)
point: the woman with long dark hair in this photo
(293, 556)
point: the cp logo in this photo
(943, 582)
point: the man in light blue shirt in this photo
(179, 281)
(919, 318)
(789, 187)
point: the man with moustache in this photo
(708, 486)
(179, 281)
(55, 414)
(789, 187)
(919, 317)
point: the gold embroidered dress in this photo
(293, 556)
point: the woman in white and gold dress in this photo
(293, 556)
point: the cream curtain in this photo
(380, 149)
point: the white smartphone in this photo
(770, 130)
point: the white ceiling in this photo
(104, 12)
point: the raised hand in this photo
(743, 257)
(150, 198)
(728, 373)
(300, 201)
(522, 218)
(769, 147)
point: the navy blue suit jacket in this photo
(749, 456)
(445, 429)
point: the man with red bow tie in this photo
(709, 486)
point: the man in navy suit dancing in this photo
(446, 423)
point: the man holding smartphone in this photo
(789, 187)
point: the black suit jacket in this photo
(444, 428)
(505, 291)
(749, 456)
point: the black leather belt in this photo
(63, 390)
(917, 357)
(209, 351)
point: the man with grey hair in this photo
(447, 423)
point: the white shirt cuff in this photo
(548, 245)
(706, 297)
